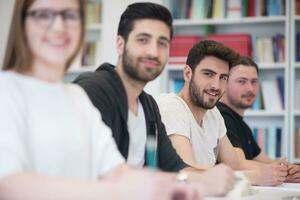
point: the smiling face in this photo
(242, 86)
(208, 82)
(145, 53)
(55, 44)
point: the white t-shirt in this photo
(178, 119)
(137, 137)
(52, 129)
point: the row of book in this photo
(93, 12)
(297, 7)
(89, 54)
(269, 139)
(202, 9)
(264, 49)
(297, 142)
(270, 97)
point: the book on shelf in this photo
(180, 46)
(269, 139)
(297, 7)
(234, 9)
(93, 14)
(269, 49)
(241, 43)
(270, 96)
(258, 103)
(89, 54)
(220, 9)
(298, 46)
(176, 85)
(200, 9)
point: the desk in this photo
(281, 192)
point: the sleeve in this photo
(222, 127)
(174, 116)
(168, 159)
(12, 125)
(256, 149)
(106, 154)
(232, 131)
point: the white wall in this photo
(6, 10)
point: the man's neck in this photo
(239, 111)
(197, 111)
(132, 87)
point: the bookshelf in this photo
(295, 84)
(90, 55)
(269, 70)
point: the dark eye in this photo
(71, 15)
(163, 43)
(43, 15)
(242, 82)
(209, 74)
(224, 78)
(142, 40)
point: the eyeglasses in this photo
(45, 18)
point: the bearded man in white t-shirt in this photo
(196, 127)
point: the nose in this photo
(58, 23)
(216, 83)
(152, 49)
(250, 86)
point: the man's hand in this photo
(217, 181)
(273, 174)
(293, 173)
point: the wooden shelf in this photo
(245, 20)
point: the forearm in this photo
(250, 165)
(26, 186)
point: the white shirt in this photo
(52, 129)
(137, 137)
(178, 119)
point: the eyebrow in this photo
(211, 71)
(148, 35)
(244, 78)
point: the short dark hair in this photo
(145, 10)
(210, 48)
(246, 61)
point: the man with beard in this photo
(241, 92)
(144, 34)
(196, 127)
